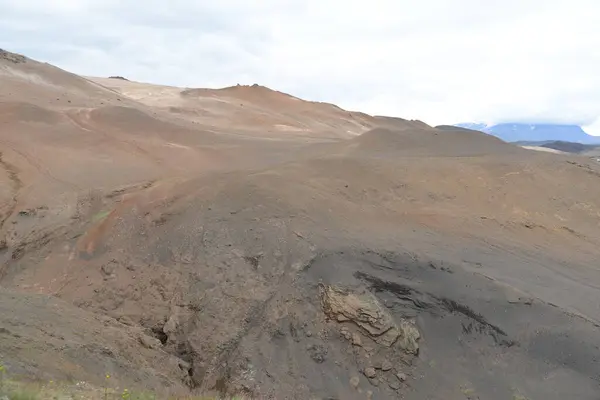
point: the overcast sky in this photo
(441, 61)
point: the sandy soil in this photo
(191, 239)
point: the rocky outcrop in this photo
(366, 312)
(12, 57)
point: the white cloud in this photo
(441, 61)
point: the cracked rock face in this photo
(366, 312)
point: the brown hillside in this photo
(244, 241)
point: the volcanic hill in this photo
(244, 241)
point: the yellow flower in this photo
(107, 376)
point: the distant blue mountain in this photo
(516, 132)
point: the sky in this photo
(440, 61)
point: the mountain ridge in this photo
(534, 132)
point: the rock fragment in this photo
(394, 385)
(356, 340)
(125, 320)
(149, 342)
(317, 352)
(346, 333)
(370, 372)
(386, 365)
(171, 325)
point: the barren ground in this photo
(242, 240)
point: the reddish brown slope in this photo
(253, 110)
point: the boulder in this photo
(370, 372)
(149, 342)
(386, 365)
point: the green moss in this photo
(19, 390)
(24, 394)
(99, 216)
